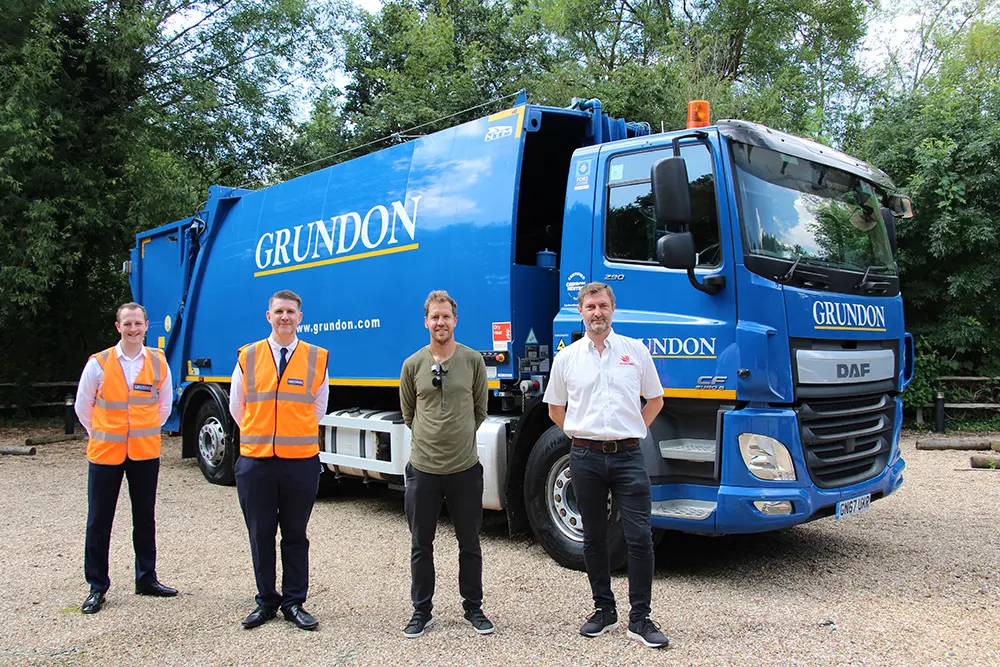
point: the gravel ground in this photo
(915, 581)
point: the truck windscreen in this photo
(796, 209)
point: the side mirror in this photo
(901, 206)
(671, 200)
(676, 251)
(890, 228)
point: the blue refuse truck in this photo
(757, 267)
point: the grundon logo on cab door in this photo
(831, 315)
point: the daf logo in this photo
(853, 370)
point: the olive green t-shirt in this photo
(444, 419)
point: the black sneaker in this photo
(648, 633)
(418, 625)
(479, 622)
(599, 622)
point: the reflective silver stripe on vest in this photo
(108, 437)
(250, 377)
(313, 355)
(256, 439)
(155, 360)
(143, 432)
(260, 396)
(295, 398)
(296, 440)
(111, 405)
(143, 400)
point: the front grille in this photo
(846, 440)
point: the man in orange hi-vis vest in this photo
(123, 399)
(279, 392)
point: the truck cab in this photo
(758, 270)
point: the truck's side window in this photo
(631, 232)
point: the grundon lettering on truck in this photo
(849, 316)
(336, 239)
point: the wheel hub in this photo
(212, 442)
(562, 502)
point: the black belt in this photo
(607, 446)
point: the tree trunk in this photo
(15, 449)
(982, 444)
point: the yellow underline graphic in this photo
(337, 260)
(683, 356)
(849, 328)
(700, 393)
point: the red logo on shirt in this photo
(626, 359)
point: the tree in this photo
(941, 144)
(116, 116)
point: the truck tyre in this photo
(217, 450)
(552, 509)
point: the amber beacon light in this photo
(699, 114)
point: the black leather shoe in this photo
(300, 617)
(93, 603)
(155, 588)
(259, 616)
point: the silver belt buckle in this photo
(604, 446)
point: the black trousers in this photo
(104, 482)
(277, 492)
(624, 474)
(463, 492)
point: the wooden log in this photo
(62, 437)
(984, 461)
(979, 444)
(995, 446)
(15, 449)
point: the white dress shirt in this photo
(237, 392)
(601, 390)
(93, 378)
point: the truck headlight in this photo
(766, 458)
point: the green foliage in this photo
(942, 142)
(115, 117)
(929, 364)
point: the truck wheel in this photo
(216, 449)
(552, 509)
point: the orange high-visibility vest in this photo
(126, 421)
(279, 419)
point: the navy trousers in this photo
(277, 492)
(103, 485)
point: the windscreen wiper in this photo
(808, 278)
(875, 286)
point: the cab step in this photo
(688, 449)
(684, 508)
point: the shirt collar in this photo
(611, 341)
(120, 353)
(277, 346)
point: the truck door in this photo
(687, 331)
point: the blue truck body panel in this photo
(468, 209)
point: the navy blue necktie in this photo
(284, 361)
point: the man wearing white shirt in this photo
(124, 397)
(279, 392)
(594, 397)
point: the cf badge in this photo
(712, 381)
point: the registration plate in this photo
(859, 505)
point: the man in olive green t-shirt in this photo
(443, 393)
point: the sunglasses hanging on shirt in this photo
(439, 374)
